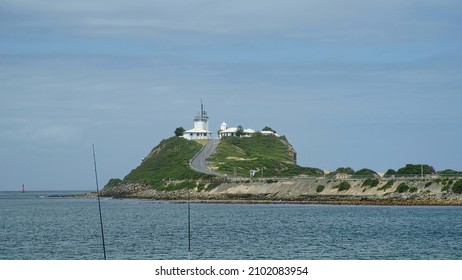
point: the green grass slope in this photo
(168, 160)
(270, 155)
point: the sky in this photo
(363, 84)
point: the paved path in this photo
(199, 161)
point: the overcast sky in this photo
(373, 84)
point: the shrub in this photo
(370, 182)
(180, 186)
(402, 188)
(270, 181)
(413, 189)
(415, 169)
(320, 188)
(366, 173)
(114, 182)
(200, 187)
(389, 173)
(345, 170)
(450, 172)
(388, 185)
(428, 184)
(445, 188)
(343, 186)
(457, 187)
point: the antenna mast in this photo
(202, 109)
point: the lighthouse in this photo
(201, 127)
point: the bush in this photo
(445, 188)
(457, 187)
(345, 170)
(415, 169)
(200, 187)
(388, 185)
(390, 173)
(343, 186)
(413, 189)
(179, 186)
(428, 184)
(320, 188)
(114, 182)
(450, 172)
(402, 188)
(270, 181)
(370, 182)
(366, 173)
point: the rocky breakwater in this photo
(368, 191)
(314, 191)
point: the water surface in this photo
(36, 226)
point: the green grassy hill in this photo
(168, 160)
(167, 166)
(268, 155)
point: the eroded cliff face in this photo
(291, 150)
(300, 187)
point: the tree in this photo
(390, 173)
(179, 131)
(415, 169)
(366, 173)
(240, 131)
(267, 128)
(345, 170)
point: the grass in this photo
(271, 156)
(169, 160)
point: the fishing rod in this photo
(99, 202)
(189, 222)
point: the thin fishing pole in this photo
(99, 203)
(189, 223)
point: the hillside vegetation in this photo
(166, 168)
(167, 161)
(267, 155)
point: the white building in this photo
(231, 131)
(201, 127)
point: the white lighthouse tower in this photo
(201, 127)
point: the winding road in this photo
(199, 161)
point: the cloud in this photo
(332, 20)
(126, 73)
(37, 132)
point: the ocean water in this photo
(36, 226)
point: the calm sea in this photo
(34, 225)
